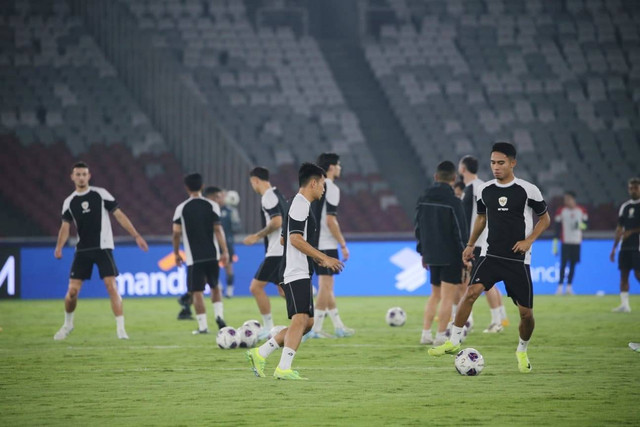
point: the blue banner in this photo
(374, 269)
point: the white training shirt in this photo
(297, 263)
(270, 208)
(329, 207)
(571, 220)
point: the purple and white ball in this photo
(227, 338)
(275, 330)
(254, 325)
(247, 338)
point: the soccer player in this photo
(468, 168)
(441, 231)
(230, 223)
(88, 208)
(628, 231)
(326, 210)
(504, 207)
(299, 235)
(570, 220)
(273, 208)
(197, 222)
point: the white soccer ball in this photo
(227, 338)
(254, 325)
(396, 316)
(275, 330)
(247, 337)
(469, 362)
(232, 198)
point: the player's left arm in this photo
(539, 207)
(222, 242)
(332, 202)
(125, 222)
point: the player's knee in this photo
(255, 288)
(526, 315)
(72, 293)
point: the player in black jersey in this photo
(197, 222)
(273, 207)
(505, 207)
(628, 231)
(88, 208)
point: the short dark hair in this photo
(446, 171)
(634, 181)
(460, 185)
(80, 165)
(327, 159)
(570, 193)
(309, 171)
(505, 148)
(211, 190)
(260, 173)
(193, 181)
(471, 163)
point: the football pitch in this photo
(583, 371)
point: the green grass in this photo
(583, 371)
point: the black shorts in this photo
(515, 274)
(269, 270)
(476, 256)
(324, 271)
(569, 253)
(83, 262)
(299, 296)
(446, 273)
(629, 260)
(201, 273)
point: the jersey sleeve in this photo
(558, 217)
(535, 200)
(110, 203)
(481, 208)
(66, 211)
(621, 215)
(271, 204)
(467, 202)
(177, 215)
(298, 215)
(216, 212)
(332, 199)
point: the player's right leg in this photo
(447, 295)
(624, 306)
(70, 303)
(452, 345)
(430, 309)
(495, 301)
(257, 288)
(527, 324)
(322, 307)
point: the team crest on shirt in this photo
(503, 202)
(85, 207)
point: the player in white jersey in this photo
(88, 208)
(273, 207)
(326, 210)
(570, 220)
(299, 236)
(505, 208)
(468, 168)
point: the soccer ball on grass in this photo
(469, 362)
(227, 338)
(396, 316)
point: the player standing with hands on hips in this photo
(88, 208)
(299, 238)
(504, 207)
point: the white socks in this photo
(454, 310)
(202, 321)
(218, 310)
(287, 358)
(267, 322)
(496, 316)
(120, 323)
(267, 348)
(522, 345)
(335, 318)
(624, 299)
(426, 333)
(456, 335)
(503, 312)
(318, 319)
(68, 320)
